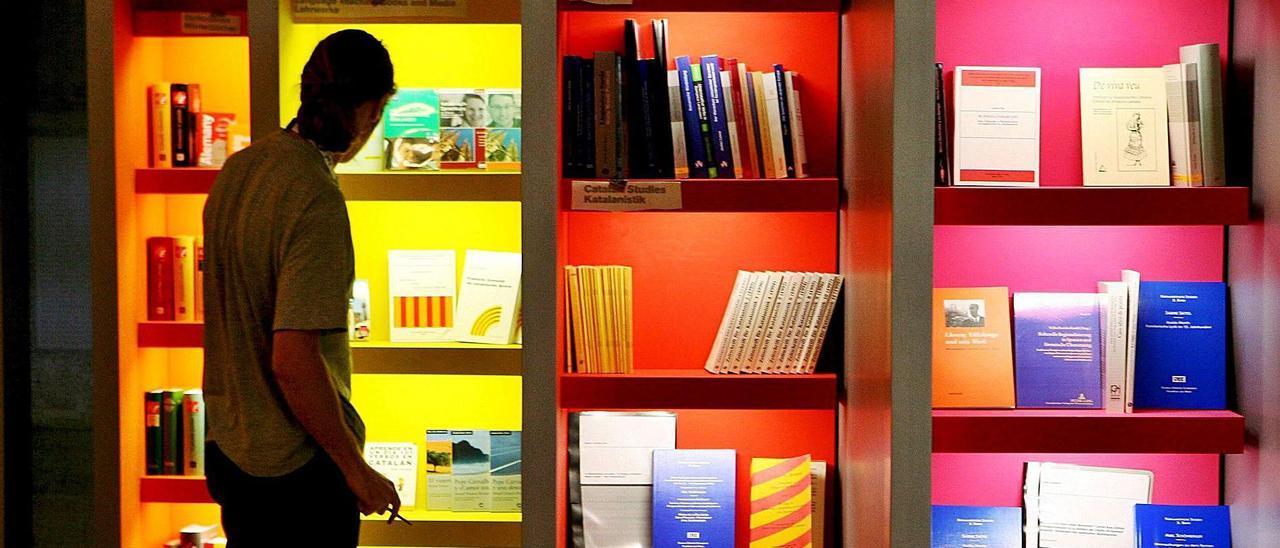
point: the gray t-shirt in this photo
(278, 256)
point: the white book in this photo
(1070, 506)
(997, 126)
(423, 286)
(1114, 298)
(489, 297)
(811, 324)
(791, 305)
(678, 146)
(777, 323)
(1184, 168)
(732, 309)
(617, 448)
(797, 126)
(824, 322)
(759, 333)
(1208, 62)
(726, 82)
(816, 284)
(1131, 280)
(742, 339)
(397, 462)
(1124, 127)
(774, 109)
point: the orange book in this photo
(972, 349)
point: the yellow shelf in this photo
(384, 357)
(443, 529)
(416, 515)
(432, 186)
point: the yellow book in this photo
(781, 495)
(627, 320)
(184, 279)
(159, 119)
(587, 279)
(572, 332)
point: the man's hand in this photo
(374, 493)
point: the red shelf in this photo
(696, 389)
(170, 335)
(184, 489)
(706, 5)
(168, 23)
(747, 195)
(1078, 205)
(181, 180)
(1086, 431)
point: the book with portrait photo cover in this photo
(972, 348)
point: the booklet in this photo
(1071, 506)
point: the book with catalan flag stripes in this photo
(423, 285)
(781, 492)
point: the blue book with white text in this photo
(717, 117)
(693, 498)
(977, 527)
(1181, 360)
(1160, 526)
(1057, 359)
(696, 149)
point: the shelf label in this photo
(606, 196)
(321, 11)
(211, 23)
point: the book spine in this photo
(733, 122)
(179, 109)
(199, 279)
(1176, 101)
(570, 107)
(622, 135)
(160, 123)
(689, 110)
(184, 279)
(824, 322)
(1195, 167)
(1209, 82)
(745, 104)
(717, 119)
(941, 157)
(716, 358)
(797, 126)
(679, 149)
(193, 432)
(760, 125)
(1132, 281)
(784, 119)
(704, 121)
(738, 344)
(605, 113)
(587, 119)
(660, 123)
(195, 106)
(759, 333)
(1115, 321)
(643, 139)
(171, 432)
(152, 407)
(160, 279)
(773, 113)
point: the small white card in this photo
(647, 196)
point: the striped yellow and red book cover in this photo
(781, 515)
(423, 312)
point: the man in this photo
(503, 110)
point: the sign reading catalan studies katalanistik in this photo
(328, 11)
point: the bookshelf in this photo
(697, 389)
(815, 194)
(385, 186)
(1086, 431)
(1078, 206)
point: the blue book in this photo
(1160, 525)
(1181, 359)
(693, 497)
(977, 527)
(784, 106)
(1057, 359)
(692, 121)
(717, 116)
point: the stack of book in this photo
(182, 134)
(709, 117)
(197, 536)
(776, 322)
(175, 278)
(174, 426)
(599, 319)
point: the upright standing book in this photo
(615, 474)
(1115, 327)
(1124, 127)
(997, 127)
(1071, 506)
(184, 279)
(193, 432)
(784, 119)
(1057, 363)
(781, 510)
(489, 297)
(1169, 526)
(171, 429)
(504, 470)
(1183, 96)
(471, 454)
(439, 465)
(160, 277)
(693, 497)
(1182, 346)
(179, 120)
(422, 286)
(1207, 59)
(717, 116)
(152, 410)
(977, 527)
(159, 118)
(397, 462)
(691, 115)
(972, 350)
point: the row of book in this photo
(1147, 126)
(598, 305)
(428, 303)
(1135, 344)
(197, 536)
(466, 470)
(775, 322)
(709, 117)
(1072, 505)
(428, 129)
(175, 278)
(174, 429)
(182, 134)
(630, 486)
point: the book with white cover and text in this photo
(397, 462)
(489, 297)
(1124, 127)
(997, 126)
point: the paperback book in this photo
(1070, 506)
(693, 497)
(599, 308)
(972, 349)
(1124, 126)
(422, 286)
(611, 475)
(397, 462)
(489, 299)
(781, 502)
(439, 464)
(1057, 361)
(977, 527)
(504, 470)
(411, 130)
(1162, 526)
(1181, 358)
(471, 463)
(775, 322)
(997, 126)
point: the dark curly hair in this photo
(347, 69)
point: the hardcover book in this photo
(439, 465)
(977, 527)
(411, 130)
(422, 286)
(997, 126)
(184, 279)
(199, 278)
(159, 120)
(160, 278)
(784, 117)
(471, 462)
(1124, 127)
(693, 497)
(608, 118)
(1057, 362)
(489, 297)
(504, 470)
(397, 462)
(1182, 346)
(1183, 97)
(180, 120)
(153, 405)
(972, 350)
(1207, 59)
(172, 460)
(781, 511)
(193, 432)
(1161, 526)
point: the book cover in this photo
(764, 143)
(781, 512)
(1124, 127)
(488, 297)
(195, 106)
(184, 279)
(1114, 310)
(570, 107)
(500, 144)
(471, 455)
(423, 285)
(642, 125)
(829, 300)
(784, 117)
(773, 106)
(797, 125)
(1074, 506)
(439, 465)
(1131, 280)
(218, 128)
(818, 479)
(462, 148)
(735, 94)
(997, 126)
(941, 152)
(159, 120)
(732, 122)
(744, 101)
(611, 474)
(1057, 363)
(1163, 526)
(411, 130)
(160, 295)
(972, 349)
(504, 470)
(691, 116)
(1181, 360)
(193, 432)
(171, 429)
(398, 462)
(977, 527)
(1207, 59)
(607, 101)
(704, 120)
(359, 315)
(180, 120)
(717, 116)
(679, 148)
(198, 286)
(152, 408)
(1184, 125)
(693, 497)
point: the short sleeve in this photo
(313, 284)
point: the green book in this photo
(171, 431)
(704, 120)
(193, 432)
(152, 406)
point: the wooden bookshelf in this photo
(1079, 205)
(1086, 431)
(696, 389)
(746, 195)
(435, 186)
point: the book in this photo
(941, 152)
(570, 107)
(463, 148)
(195, 108)
(1131, 280)
(193, 421)
(778, 140)
(1124, 127)
(972, 350)
(358, 313)
(745, 104)
(797, 125)
(1183, 98)
(705, 112)
(997, 126)
(471, 454)
(194, 535)
(1072, 506)
(422, 287)
(488, 297)
(600, 319)
(160, 268)
(398, 462)
(160, 122)
(152, 408)
(586, 118)
(1057, 363)
(438, 454)
(780, 502)
(693, 497)
(215, 542)
(504, 470)
(976, 527)
(607, 102)
(411, 129)
(216, 136)
(774, 322)
(198, 278)
(172, 459)
(1181, 360)
(642, 122)
(614, 473)
(499, 147)
(184, 279)
(1163, 525)
(731, 122)
(717, 116)
(180, 120)
(784, 117)
(1208, 66)
(764, 126)
(818, 479)
(1114, 310)
(679, 146)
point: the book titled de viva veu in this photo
(1057, 361)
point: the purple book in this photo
(1057, 346)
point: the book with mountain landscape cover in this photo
(439, 465)
(471, 463)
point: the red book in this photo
(740, 114)
(160, 279)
